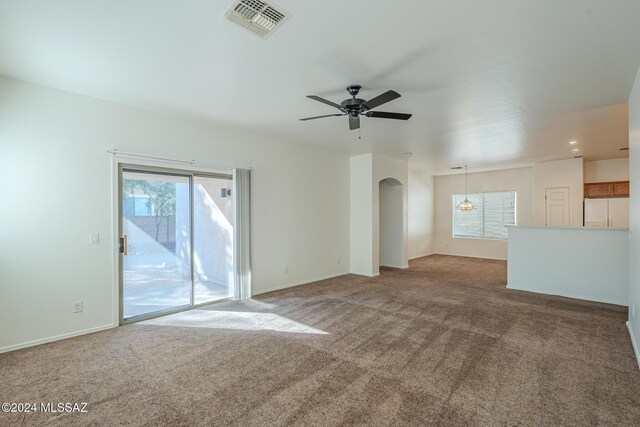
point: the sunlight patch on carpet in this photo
(244, 321)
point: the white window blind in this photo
(494, 212)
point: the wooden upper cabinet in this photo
(606, 189)
(600, 189)
(621, 189)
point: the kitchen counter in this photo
(590, 263)
(568, 228)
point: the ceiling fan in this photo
(355, 107)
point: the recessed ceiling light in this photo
(408, 154)
(573, 142)
(457, 167)
(577, 157)
(623, 149)
(575, 150)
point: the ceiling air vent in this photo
(259, 17)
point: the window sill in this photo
(497, 239)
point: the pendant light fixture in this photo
(466, 205)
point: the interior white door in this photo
(557, 207)
(619, 212)
(596, 212)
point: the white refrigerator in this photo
(606, 212)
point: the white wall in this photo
(634, 244)
(555, 174)
(421, 212)
(367, 170)
(606, 170)
(361, 231)
(520, 179)
(56, 188)
(584, 263)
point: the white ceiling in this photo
(491, 83)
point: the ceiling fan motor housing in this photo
(353, 105)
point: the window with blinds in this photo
(494, 212)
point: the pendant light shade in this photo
(466, 205)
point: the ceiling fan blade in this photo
(385, 115)
(389, 95)
(320, 117)
(354, 123)
(324, 101)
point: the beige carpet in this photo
(443, 343)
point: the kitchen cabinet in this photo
(606, 189)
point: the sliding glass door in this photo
(176, 241)
(212, 238)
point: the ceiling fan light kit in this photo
(355, 107)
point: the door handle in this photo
(123, 245)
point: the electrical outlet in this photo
(77, 307)
(94, 238)
(286, 270)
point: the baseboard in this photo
(634, 344)
(396, 267)
(580, 297)
(422, 256)
(365, 275)
(303, 282)
(55, 338)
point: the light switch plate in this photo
(94, 238)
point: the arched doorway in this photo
(391, 236)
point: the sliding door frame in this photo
(132, 167)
